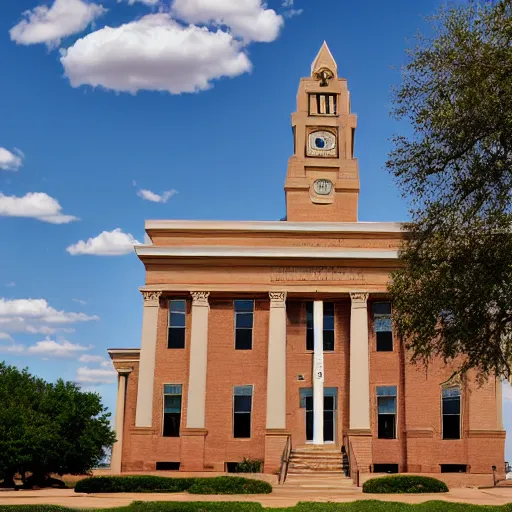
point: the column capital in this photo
(359, 297)
(151, 298)
(277, 299)
(200, 298)
(124, 372)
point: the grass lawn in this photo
(357, 506)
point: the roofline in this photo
(275, 226)
(263, 252)
(113, 352)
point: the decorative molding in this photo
(124, 371)
(193, 432)
(359, 297)
(490, 434)
(360, 432)
(200, 298)
(151, 298)
(419, 433)
(277, 299)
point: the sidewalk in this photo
(281, 497)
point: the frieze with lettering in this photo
(284, 274)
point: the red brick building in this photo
(259, 332)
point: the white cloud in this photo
(249, 19)
(507, 390)
(34, 205)
(13, 348)
(146, 2)
(96, 376)
(10, 161)
(154, 53)
(148, 195)
(5, 336)
(53, 348)
(108, 243)
(49, 25)
(80, 301)
(89, 358)
(11, 284)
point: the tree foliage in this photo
(453, 295)
(49, 428)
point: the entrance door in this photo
(329, 417)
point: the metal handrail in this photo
(285, 460)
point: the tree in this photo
(452, 295)
(48, 428)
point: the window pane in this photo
(451, 392)
(242, 390)
(451, 405)
(382, 324)
(386, 390)
(172, 389)
(243, 339)
(243, 403)
(386, 426)
(310, 339)
(328, 323)
(328, 340)
(244, 320)
(177, 306)
(382, 308)
(328, 309)
(384, 342)
(176, 337)
(451, 427)
(177, 320)
(309, 315)
(244, 305)
(328, 403)
(172, 424)
(242, 425)
(386, 405)
(172, 403)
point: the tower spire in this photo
(324, 60)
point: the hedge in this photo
(404, 484)
(219, 485)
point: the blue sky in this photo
(116, 111)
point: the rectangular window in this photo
(454, 468)
(328, 327)
(177, 317)
(167, 466)
(383, 326)
(242, 409)
(323, 104)
(451, 413)
(244, 320)
(172, 410)
(385, 468)
(386, 408)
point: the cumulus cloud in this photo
(52, 348)
(154, 53)
(146, 2)
(248, 19)
(49, 25)
(148, 195)
(89, 358)
(34, 205)
(96, 375)
(10, 161)
(5, 336)
(80, 301)
(36, 316)
(108, 243)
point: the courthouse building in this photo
(259, 334)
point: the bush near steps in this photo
(404, 484)
(148, 483)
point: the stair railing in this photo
(285, 460)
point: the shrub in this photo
(203, 506)
(249, 466)
(229, 485)
(404, 484)
(219, 485)
(102, 484)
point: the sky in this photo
(117, 111)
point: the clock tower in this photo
(322, 182)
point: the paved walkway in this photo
(281, 497)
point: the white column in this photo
(276, 375)
(198, 360)
(144, 412)
(318, 373)
(117, 448)
(359, 363)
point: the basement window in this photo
(454, 468)
(231, 467)
(385, 468)
(167, 466)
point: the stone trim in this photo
(200, 298)
(419, 433)
(360, 432)
(151, 298)
(493, 434)
(124, 371)
(277, 299)
(193, 432)
(359, 297)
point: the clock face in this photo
(323, 187)
(322, 143)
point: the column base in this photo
(192, 449)
(275, 442)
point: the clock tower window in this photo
(323, 104)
